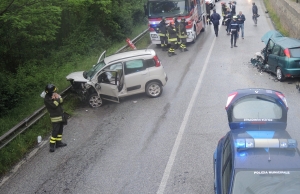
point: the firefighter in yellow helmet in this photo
(172, 38)
(182, 34)
(53, 103)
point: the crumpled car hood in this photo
(77, 77)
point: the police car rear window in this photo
(257, 107)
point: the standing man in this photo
(172, 38)
(240, 20)
(215, 18)
(177, 43)
(162, 32)
(255, 13)
(234, 30)
(53, 103)
(208, 13)
(224, 10)
(228, 20)
(182, 34)
(233, 7)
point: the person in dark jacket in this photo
(53, 103)
(162, 32)
(233, 8)
(241, 19)
(234, 30)
(172, 38)
(182, 34)
(255, 13)
(228, 20)
(215, 19)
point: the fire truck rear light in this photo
(157, 62)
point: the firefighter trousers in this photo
(57, 131)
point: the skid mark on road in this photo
(172, 157)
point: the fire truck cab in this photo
(194, 11)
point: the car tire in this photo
(154, 89)
(95, 100)
(279, 74)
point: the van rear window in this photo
(150, 62)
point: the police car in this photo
(257, 155)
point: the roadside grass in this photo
(275, 18)
(23, 143)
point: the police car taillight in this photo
(230, 98)
(157, 62)
(282, 97)
(265, 143)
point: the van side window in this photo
(150, 63)
(134, 66)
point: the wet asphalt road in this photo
(162, 145)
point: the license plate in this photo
(154, 36)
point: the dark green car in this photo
(281, 55)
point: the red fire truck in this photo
(194, 11)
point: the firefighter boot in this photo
(60, 144)
(52, 147)
(169, 54)
(174, 53)
(185, 49)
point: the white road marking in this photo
(172, 157)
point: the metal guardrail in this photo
(38, 114)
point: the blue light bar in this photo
(265, 143)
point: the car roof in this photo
(278, 38)
(264, 158)
(135, 54)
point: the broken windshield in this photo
(92, 72)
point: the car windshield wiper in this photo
(265, 99)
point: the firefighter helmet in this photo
(234, 17)
(163, 18)
(50, 89)
(175, 19)
(183, 19)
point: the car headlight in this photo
(87, 86)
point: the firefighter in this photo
(162, 32)
(53, 103)
(182, 35)
(208, 7)
(177, 43)
(224, 10)
(172, 38)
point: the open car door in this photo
(256, 109)
(108, 86)
(102, 56)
